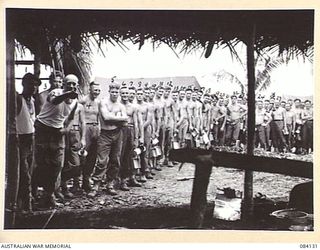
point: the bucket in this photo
(197, 142)
(211, 138)
(205, 138)
(227, 208)
(188, 136)
(292, 217)
(175, 145)
(155, 141)
(153, 153)
(136, 163)
(137, 151)
(158, 151)
(194, 133)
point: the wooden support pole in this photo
(248, 176)
(199, 195)
(37, 63)
(12, 143)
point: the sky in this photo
(296, 78)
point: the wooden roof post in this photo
(248, 178)
(37, 63)
(199, 194)
(12, 154)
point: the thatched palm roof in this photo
(191, 29)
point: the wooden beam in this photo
(243, 162)
(24, 62)
(44, 78)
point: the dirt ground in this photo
(161, 202)
(171, 187)
(164, 202)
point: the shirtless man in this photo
(182, 117)
(307, 128)
(206, 115)
(214, 117)
(112, 117)
(278, 125)
(160, 114)
(193, 117)
(132, 94)
(188, 94)
(147, 123)
(169, 121)
(129, 140)
(154, 163)
(290, 120)
(222, 118)
(75, 133)
(198, 112)
(91, 104)
(235, 112)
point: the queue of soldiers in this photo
(120, 141)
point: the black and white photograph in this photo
(162, 119)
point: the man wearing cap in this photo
(25, 129)
(112, 117)
(91, 115)
(49, 137)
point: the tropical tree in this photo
(266, 62)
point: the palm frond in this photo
(223, 75)
(263, 77)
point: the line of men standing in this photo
(116, 143)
